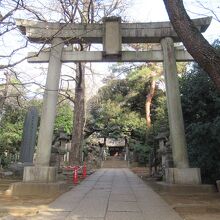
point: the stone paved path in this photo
(110, 194)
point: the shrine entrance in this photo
(111, 34)
(116, 151)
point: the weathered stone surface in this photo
(124, 216)
(112, 37)
(96, 56)
(93, 33)
(183, 176)
(186, 188)
(218, 185)
(123, 206)
(36, 189)
(94, 207)
(122, 197)
(49, 104)
(39, 174)
(175, 115)
(98, 193)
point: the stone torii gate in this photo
(112, 34)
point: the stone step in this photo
(115, 164)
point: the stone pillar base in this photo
(39, 174)
(37, 189)
(183, 176)
(218, 185)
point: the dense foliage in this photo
(201, 109)
(119, 111)
(11, 128)
(64, 118)
(12, 121)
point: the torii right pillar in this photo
(181, 173)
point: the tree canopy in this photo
(118, 110)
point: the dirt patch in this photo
(191, 206)
(19, 206)
(22, 205)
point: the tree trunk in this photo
(79, 104)
(149, 101)
(79, 117)
(199, 48)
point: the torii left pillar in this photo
(42, 172)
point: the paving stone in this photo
(88, 183)
(75, 195)
(122, 206)
(82, 189)
(120, 185)
(109, 194)
(100, 185)
(121, 191)
(94, 207)
(122, 197)
(124, 216)
(98, 193)
(108, 188)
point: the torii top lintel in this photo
(152, 32)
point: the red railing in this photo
(74, 171)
